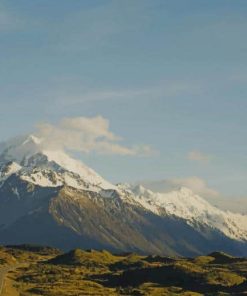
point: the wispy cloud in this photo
(86, 135)
(165, 89)
(196, 184)
(199, 156)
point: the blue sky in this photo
(166, 73)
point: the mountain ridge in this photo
(45, 191)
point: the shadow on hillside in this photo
(166, 276)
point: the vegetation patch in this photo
(45, 271)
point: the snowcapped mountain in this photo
(194, 209)
(48, 197)
(27, 157)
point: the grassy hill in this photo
(47, 271)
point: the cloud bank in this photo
(86, 135)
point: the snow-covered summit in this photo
(19, 148)
(192, 208)
(34, 162)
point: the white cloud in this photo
(198, 156)
(196, 184)
(87, 134)
(93, 127)
(233, 204)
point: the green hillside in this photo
(46, 271)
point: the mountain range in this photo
(47, 197)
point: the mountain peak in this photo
(32, 139)
(29, 153)
(185, 190)
(19, 148)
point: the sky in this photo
(164, 81)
